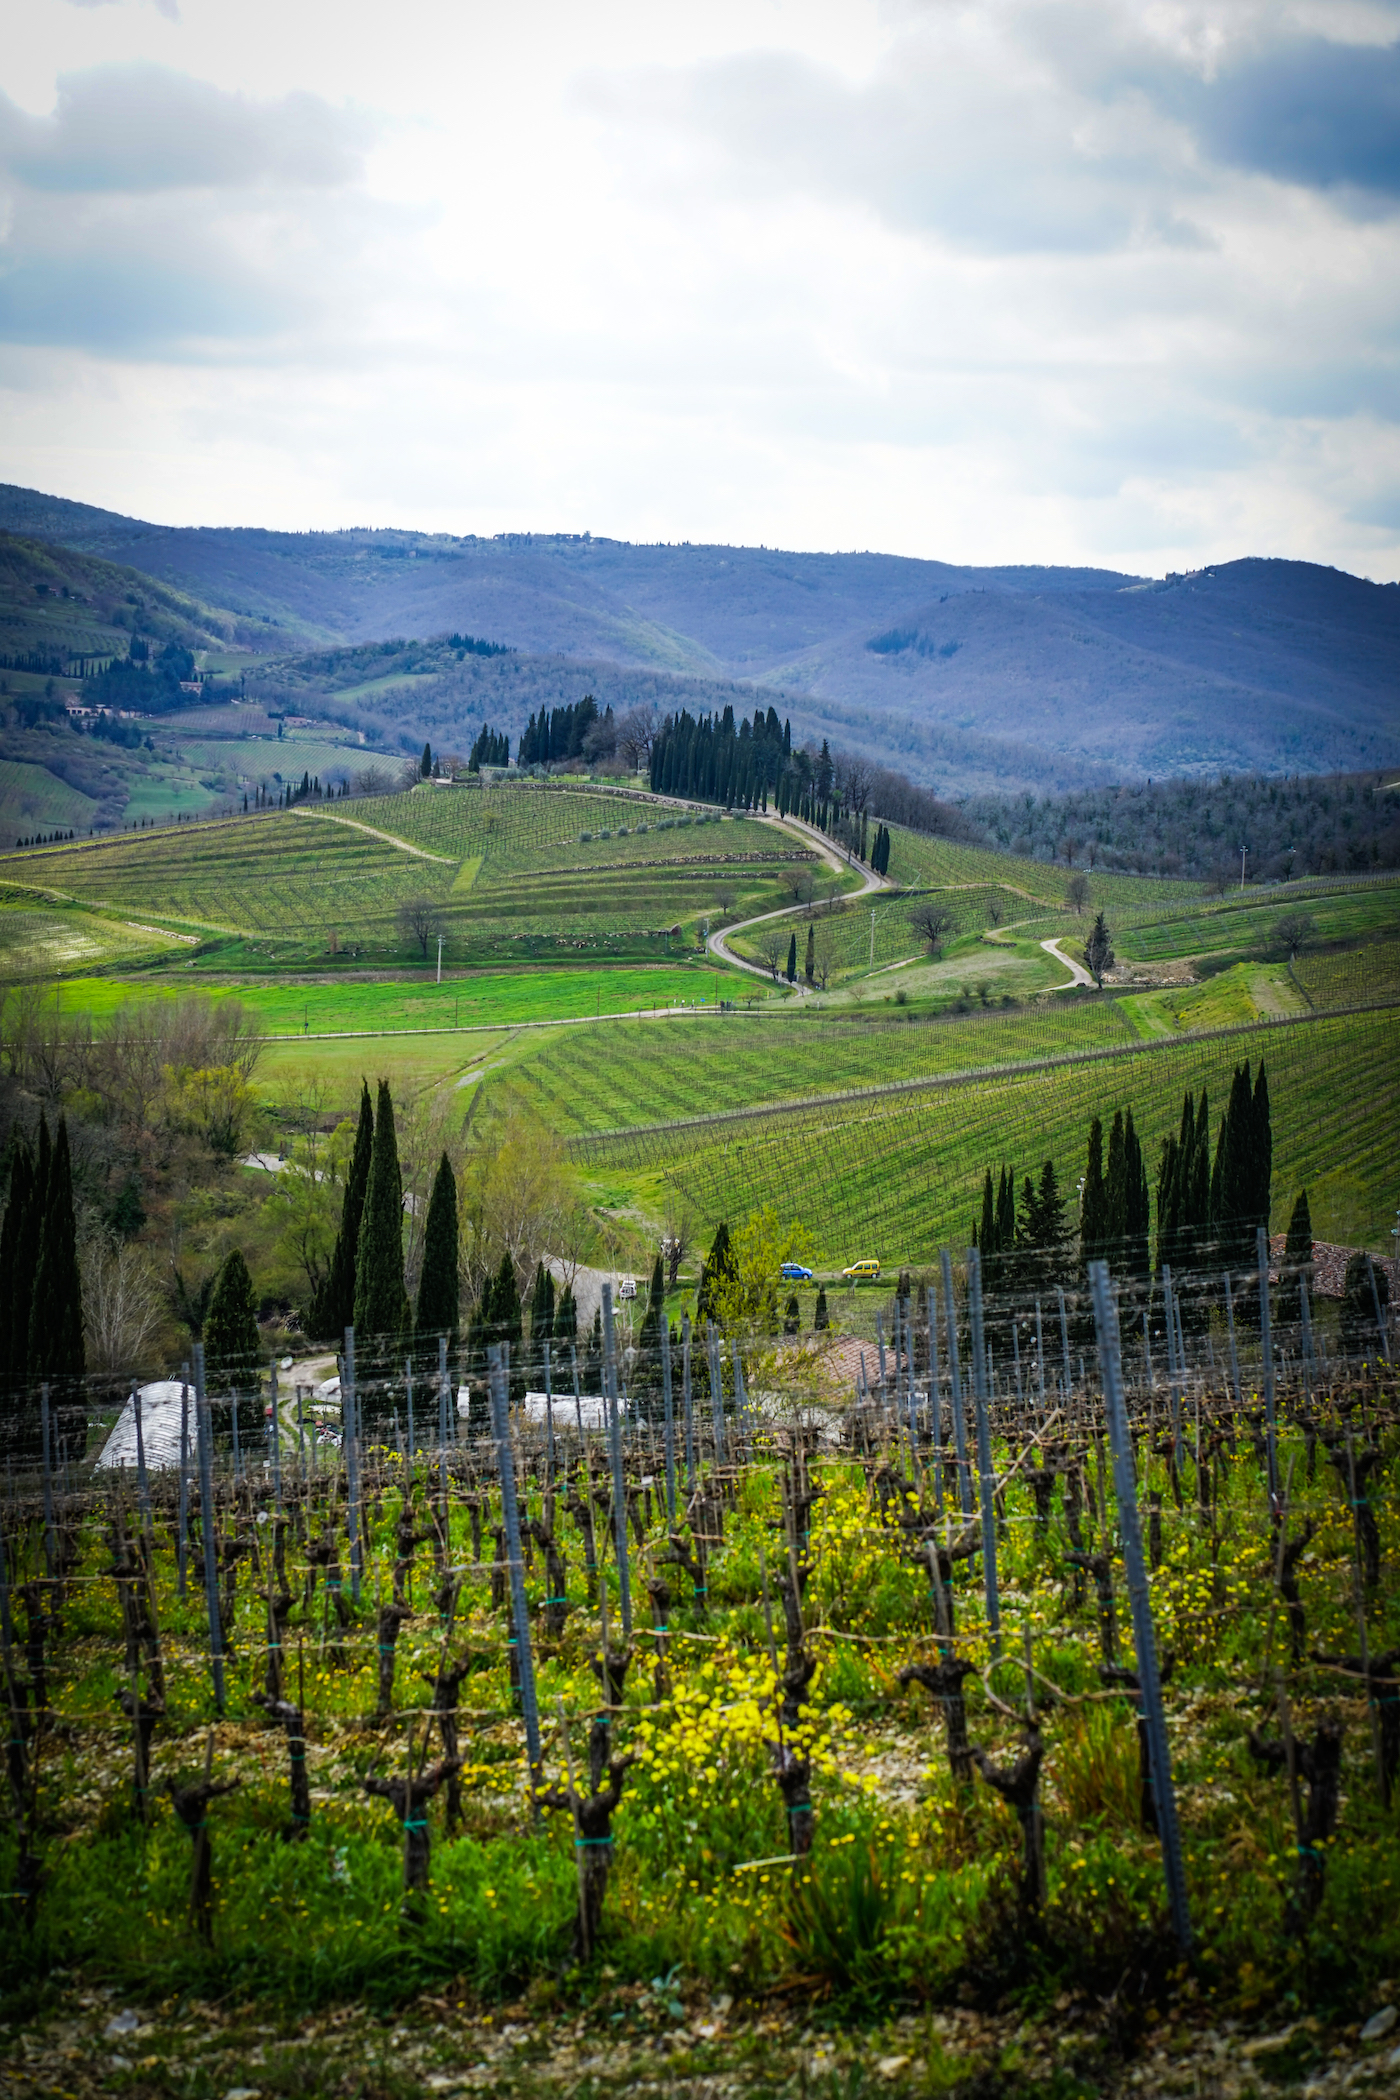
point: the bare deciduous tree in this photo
(123, 1305)
(799, 881)
(773, 947)
(933, 922)
(635, 735)
(420, 920)
(1077, 891)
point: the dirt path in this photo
(1077, 972)
(418, 852)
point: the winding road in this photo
(718, 943)
(1077, 972)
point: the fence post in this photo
(444, 1399)
(1064, 1339)
(935, 1399)
(510, 1517)
(1382, 1336)
(182, 1541)
(688, 1406)
(614, 1411)
(986, 1483)
(48, 1481)
(1144, 1639)
(955, 1388)
(716, 1395)
(276, 1438)
(1173, 1381)
(350, 1430)
(668, 1419)
(1266, 1346)
(143, 1490)
(204, 1431)
(1234, 1353)
(548, 1413)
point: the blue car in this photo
(793, 1272)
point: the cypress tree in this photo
(1261, 1152)
(437, 1284)
(1093, 1204)
(56, 1318)
(719, 1266)
(792, 959)
(566, 1317)
(506, 1322)
(809, 968)
(984, 1236)
(820, 1318)
(18, 1245)
(333, 1307)
(381, 1302)
(231, 1344)
(1297, 1258)
(1139, 1205)
(425, 763)
(1115, 1182)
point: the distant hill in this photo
(969, 678)
(59, 607)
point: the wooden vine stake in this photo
(1111, 1372)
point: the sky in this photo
(1109, 281)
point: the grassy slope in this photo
(902, 1176)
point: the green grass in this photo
(903, 1175)
(1245, 992)
(409, 1006)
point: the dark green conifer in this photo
(232, 1348)
(437, 1283)
(566, 1318)
(381, 1302)
(19, 1236)
(1093, 1204)
(56, 1316)
(1115, 1187)
(719, 1265)
(506, 1322)
(333, 1306)
(809, 967)
(792, 958)
(820, 1319)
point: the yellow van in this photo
(863, 1271)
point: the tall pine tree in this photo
(437, 1282)
(232, 1347)
(381, 1302)
(56, 1317)
(1093, 1203)
(333, 1306)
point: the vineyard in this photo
(970, 1699)
(725, 1064)
(902, 1172)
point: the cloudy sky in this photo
(1013, 280)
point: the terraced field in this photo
(32, 800)
(693, 1068)
(39, 941)
(1353, 977)
(897, 1177)
(1245, 922)
(920, 862)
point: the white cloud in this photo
(986, 279)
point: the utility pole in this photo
(1242, 854)
(440, 939)
(872, 936)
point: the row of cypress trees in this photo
(1209, 1211)
(364, 1283)
(1115, 1210)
